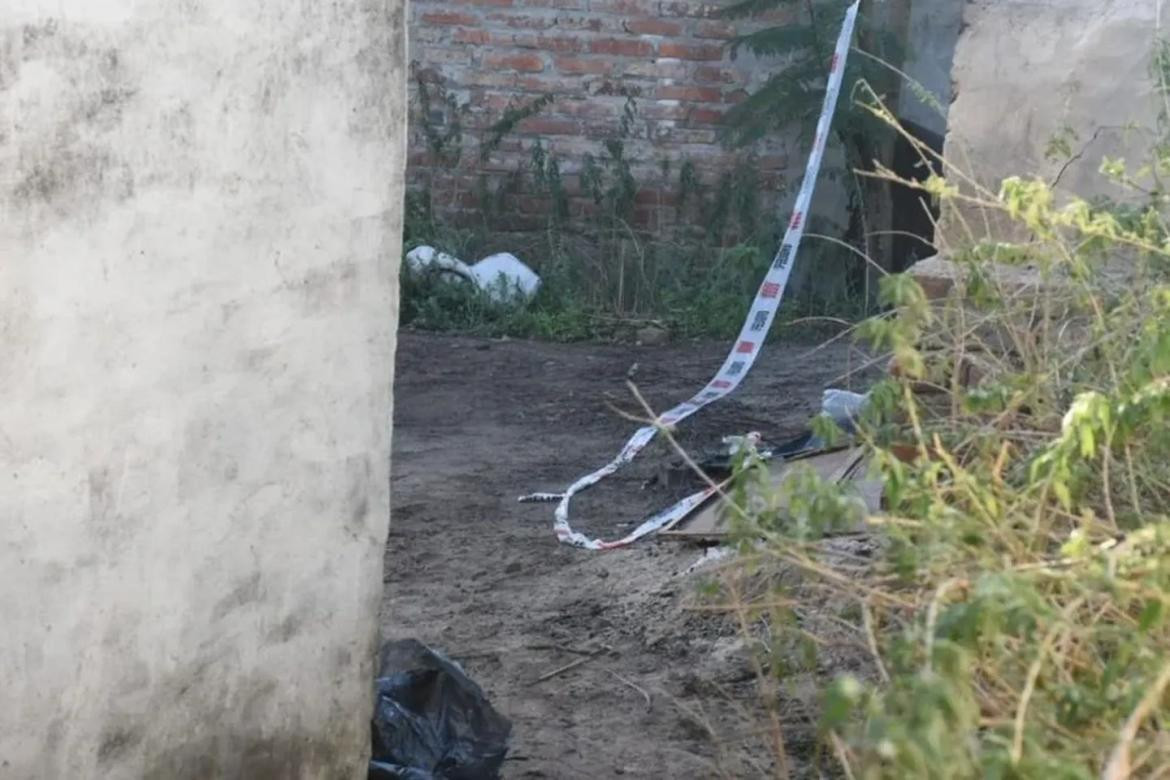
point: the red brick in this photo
(684, 135)
(539, 125)
(656, 111)
(473, 37)
(523, 21)
(544, 85)
(544, 43)
(625, 7)
(496, 101)
(504, 53)
(690, 51)
(649, 69)
(427, 76)
(559, 45)
(622, 47)
(498, 163)
(594, 108)
(713, 74)
(583, 207)
(421, 35)
(579, 65)
(655, 197)
(468, 200)
(786, 14)
(448, 18)
(444, 55)
(589, 24)
(478, 77)
(705, 116)
(525, 63)
(773, 162)
(690, 93)
(529, 204)
(563, 5)
(648, 217)
(520, 223)
(654, 27)
(720, 30)
(688, 8)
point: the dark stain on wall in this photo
(69, 168)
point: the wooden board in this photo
(708, 521)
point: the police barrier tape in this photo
(747, 347)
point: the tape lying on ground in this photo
(746, 349)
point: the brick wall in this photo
(477, 58)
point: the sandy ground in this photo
(481, 577)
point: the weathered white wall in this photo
(199, 237)
(1026, 69)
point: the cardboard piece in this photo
(709, 521)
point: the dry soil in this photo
(482, 578)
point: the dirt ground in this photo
(481, 577)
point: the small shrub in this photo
(1013, 623)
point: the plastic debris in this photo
(737, 444)
(721, 461)
(427, 258)
(502, 276)
(844, 408)
(431, 721)
(710, 556)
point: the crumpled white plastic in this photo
(501, 275)
(843, 407)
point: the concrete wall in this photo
(932, 31)
(199, 236)
(1026, 69)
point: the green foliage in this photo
(801, 49)
(442, 120)
(694, 276)
(1014, 619)
(440, 303)
(512, 116)
(796, 92)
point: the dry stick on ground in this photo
(634, 686)
(562, 648)
(571, 666)
(800, 561)
(781, 753)
(690, 462)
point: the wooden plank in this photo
(709, 521)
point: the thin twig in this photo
(562, 648)
(635, 686)
(1030, 683)
(842, 754)
(569, 666)
(871, 640)
(1118, 767)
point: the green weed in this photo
(1012, 622)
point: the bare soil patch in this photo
(482, 578)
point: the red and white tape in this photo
(747, 347)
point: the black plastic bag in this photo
(431, 722)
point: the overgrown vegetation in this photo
(605, 274)
(1012, 620)
(803, 44)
